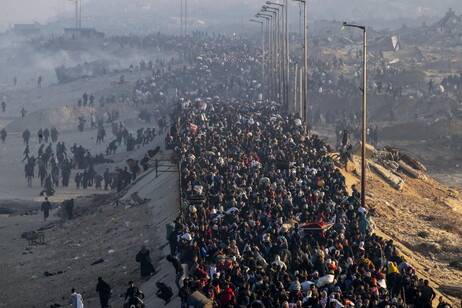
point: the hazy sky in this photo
(12, 10)
(27, 11)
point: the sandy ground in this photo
(100, 230)
(442, 157)
(440, 153)
(12, 181)
(421, 206)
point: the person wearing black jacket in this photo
(164, 292)
(46, 207)
(428, 294)
(146, 267)
(178, 270)
(104, 291)
(133, 296)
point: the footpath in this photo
(163, 192)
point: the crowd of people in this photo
(267, 220)
(86, 100)
(44, 134)
(54, 165)
(254, 184)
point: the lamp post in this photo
(281, 58)
(277, 41)
(185, 18)
(305, 64)
(181, 18)
(271, 47)
(285, 53)
(364, 89)
(76, 2)
(267, 77)
(286, 56)
(262, 39)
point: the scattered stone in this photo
(98, 261)
(452, 289)
(47, 273)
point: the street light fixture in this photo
(364, 90)
(268, 18)
(286, 55)
(285, 52)
(277, 65)
(78, 16)
(271, 50)
(262, 39)
(186, 18)
(304, 116)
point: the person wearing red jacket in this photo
(226, 296)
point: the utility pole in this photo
(363, 160)
(287, 79)
(78, 21)
(305, 65)
(278, 53)
(271, 55)
(268, 62)
(300, 107)
(185, 18)
(295, 88)
(80, 14)
(181, 18)
(262, 41)
(364, 126)
(267, 65)
(76, 13)
(262, 57)
(304, 104)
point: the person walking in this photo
(179, 271)
(29, 169)
(75, 299)
(107, 179)
(69, 207)
(26, 153)
(46, 207)
(104, 291)
(3, 135)
(146, 267)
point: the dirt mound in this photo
(423, 219)
(61, 117)
(417, 130)
(17, 206)
(6, 211)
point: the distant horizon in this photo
(46, 11)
